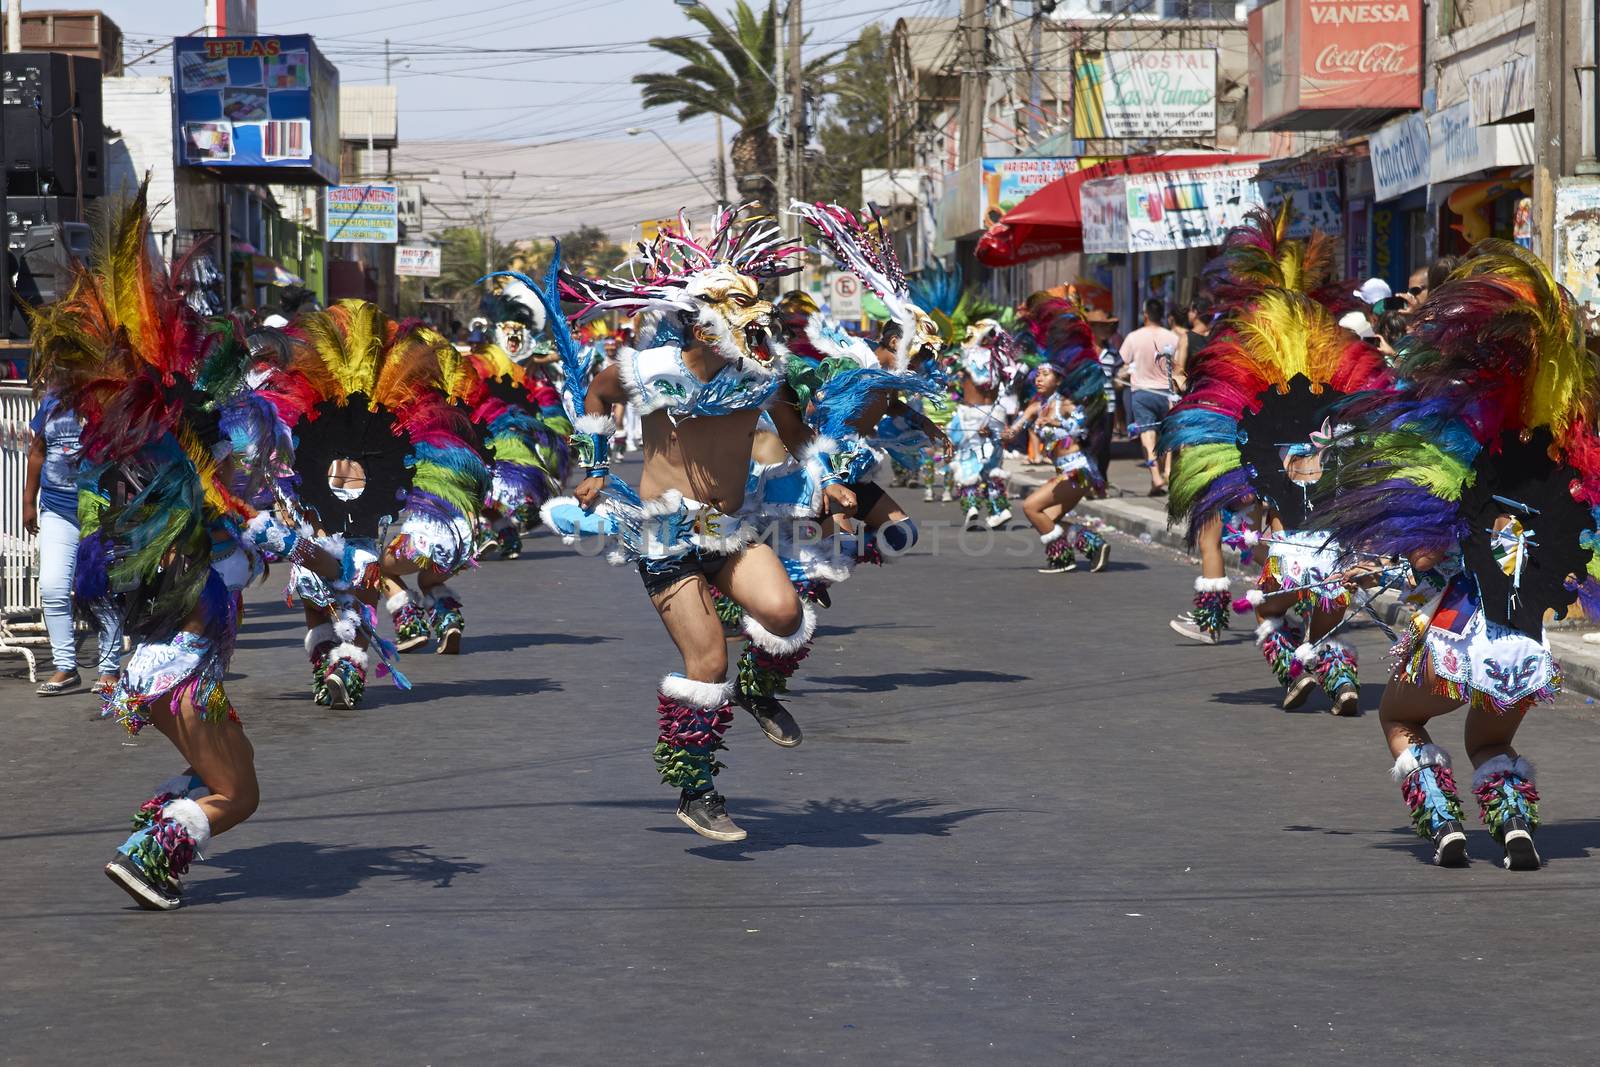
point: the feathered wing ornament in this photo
(1258, 255)
(1264, 385)
(1487, 443)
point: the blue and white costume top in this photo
(657, 379)
(976, 456)
(1054, 429)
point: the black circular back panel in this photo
(351, 431)
(1284, 419)
(1522, 471)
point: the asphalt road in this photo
(1028, 824)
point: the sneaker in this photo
(927, 494)
(1516, 837)
(972, 517)
(449, 642)
(1157, 490)
(1101, 557)
(1299, 692)
(145, 891)
(946, 498)
(773, 717)
(1347, 701)
(1184, 624)
(1450, 845)
(55, 689)
(707, 815)
(821, 596)
(510, 543)
(338, 695)
(1065, 565)
(998, 521)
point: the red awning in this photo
(1049, 223)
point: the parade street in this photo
(1028, 824)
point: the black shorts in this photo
(867, 496)
(663, 576)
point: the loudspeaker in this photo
(51, 117)
(25, 212)
(43, 261)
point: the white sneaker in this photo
(972, 517)
(927, 494)
(1187, 628)
(997, 521)
(947, 498)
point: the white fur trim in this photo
(1255, 597)
(1266, 629)
(353, 653)
(398, 601)
(812, 452)
(544, 517)
(319, 635)
(668, 503)
(1055, 534)
(599, 425)
(860, 351)
(431, 597)
(1503, 764)
(1308, 653)
(770, 642)
(1212, 585)
(346, 624)
(189, 815)
(704, 695)
(1408, 763)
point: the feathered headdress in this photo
(1063, 337)
(1258, 255)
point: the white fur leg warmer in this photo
(1266, 629)
(1502, 764)
(318, 636)
(398, 601)
(771, 643)
(1053, 536)
(1416, 757)
(704, 695)
(1212, 585)
(187, 814)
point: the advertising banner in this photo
(1188, 208)
(1577, 238)
(1103, 204)
(263, 104)
(1338, 56)
(1148, 94)
(417, 261)
(364, 214)
(1400, 156)
(1008, 182)
(1314, 191)
(1458, 146)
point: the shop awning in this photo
(1050, 222)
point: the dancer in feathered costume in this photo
(700, 380)
(379, 445)
(1070, 406)
(1483, 468)
(1255, 426)
(988, 370)
(526, 446)
(163, 501)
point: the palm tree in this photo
(729, 73)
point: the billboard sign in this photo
(364, 214)
(1188, 208)
(1149, 94)
(267, 105)
(1400, 156)
(1007, 182)
(1103, 204)
(417, 261)
(1338, 57)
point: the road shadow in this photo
(1269, 696)
(496, 642)
(425, 689)
(826, 630)
(939, 676)
(301, 870)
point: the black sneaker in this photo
(140, 886)
(1347, 701)
(707, 815)
(1101, 557)
(773, 717)
(1450, 845)
(1516, 836)
(821, 596)
(1060, 566)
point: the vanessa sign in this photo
(1339, 58)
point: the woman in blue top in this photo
(50, 511)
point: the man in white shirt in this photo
(1147, 357)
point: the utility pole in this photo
(486, 216)
(1557, 121)
(722, 163)
(974, 30)
(797, 105)
(781, 105)
(1035, 81)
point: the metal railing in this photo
(21, 625)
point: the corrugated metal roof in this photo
(370, 110)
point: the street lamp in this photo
(634, 131)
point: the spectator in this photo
(50, 511)
(1147, 353)
(1099, 444)
(1373, 291)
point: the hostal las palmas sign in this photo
(1318, 64)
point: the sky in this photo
(555, 119)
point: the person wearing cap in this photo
(1373, 291)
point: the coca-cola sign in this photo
(1341, 58)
